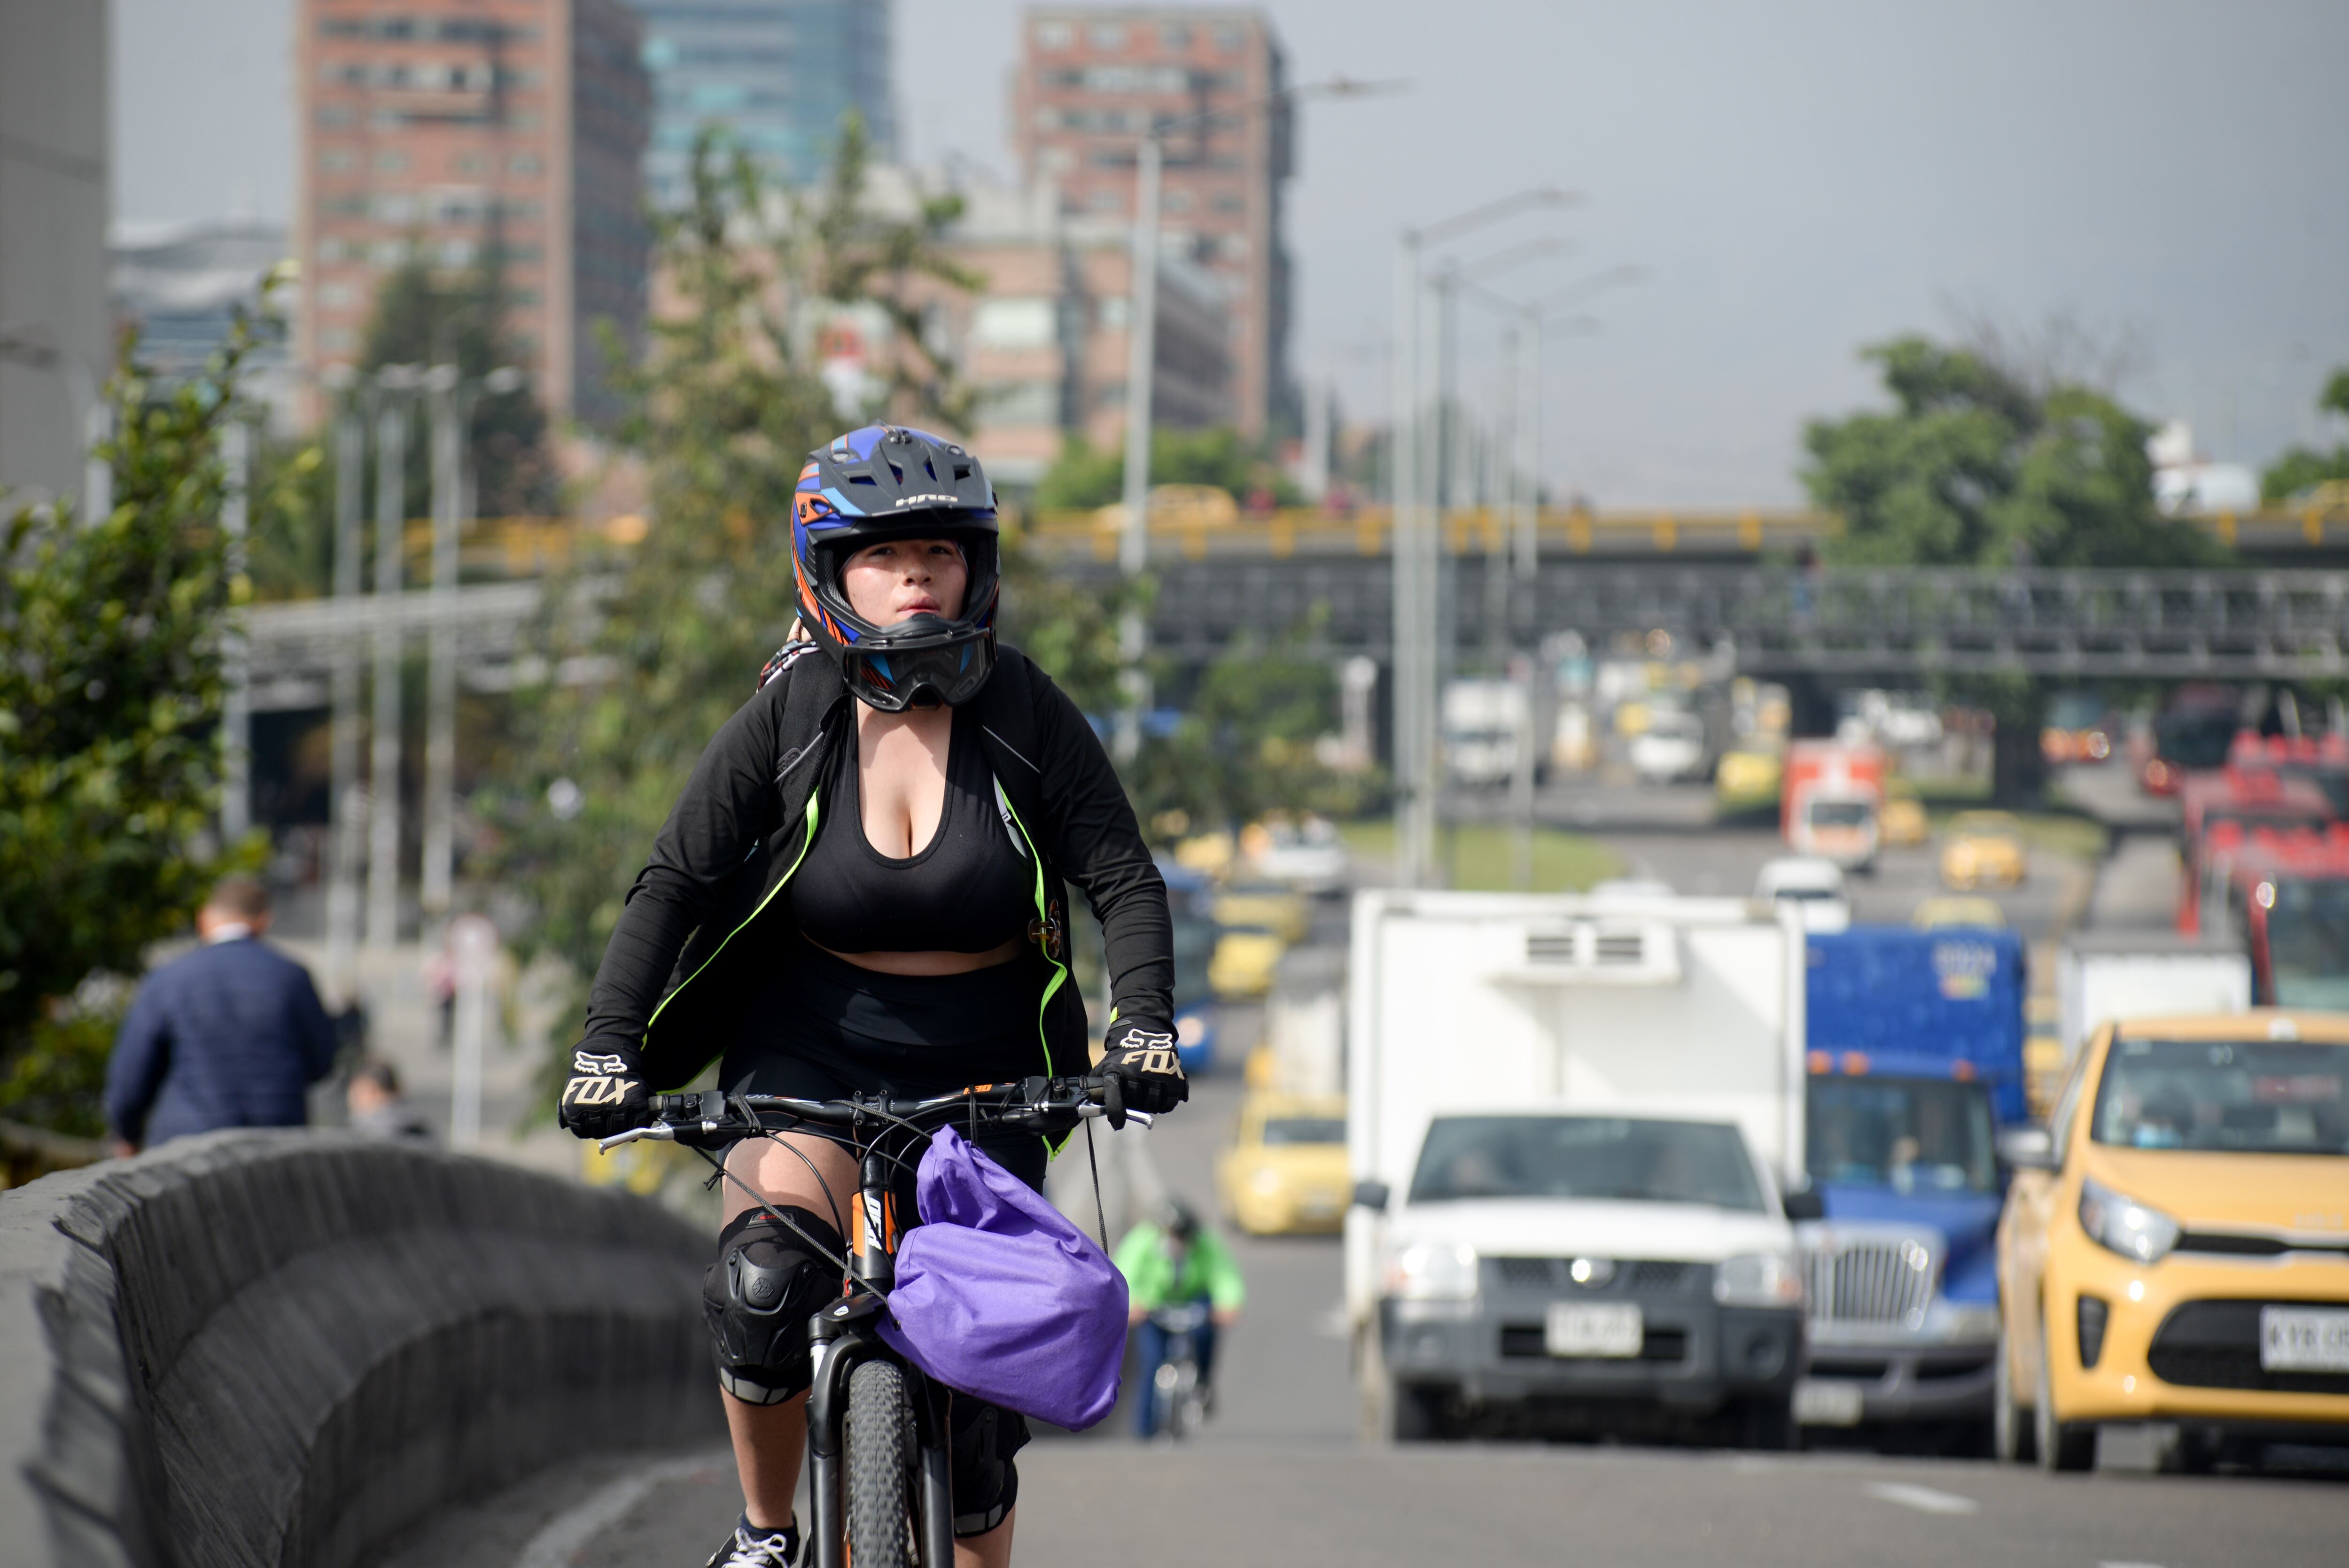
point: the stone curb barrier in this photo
(289, 1348)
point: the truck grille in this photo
(1870, 1280)
(1639, 1276)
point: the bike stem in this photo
(875, 1264)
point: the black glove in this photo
(606, 1092)
(1140, 1055)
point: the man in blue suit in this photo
(231, 1035)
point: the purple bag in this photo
(1000, 1295)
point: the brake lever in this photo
(659, 1131)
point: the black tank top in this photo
(969, 889)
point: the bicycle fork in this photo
(844, 1336)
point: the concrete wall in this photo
(290, 1348)
(53, 210)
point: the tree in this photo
(110, 713)
(722, 405)
(1981, 464)
(2299, 468)
(1084, 479)
(422, 317)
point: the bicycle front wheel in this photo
(883, 1465)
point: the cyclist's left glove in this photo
(1140, 1054)
(606, 1092)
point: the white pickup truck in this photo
(1568, 1121)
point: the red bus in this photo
(2244, 799)
(2288, 894)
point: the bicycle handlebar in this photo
(712, 1119)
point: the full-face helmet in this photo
(884, 482)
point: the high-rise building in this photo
(180, 287)
(777, 74)
(54, 357)
(438, 127)
(1093, 79)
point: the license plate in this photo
(1818, 1404)
(1579, 1328)
(2302, 1339)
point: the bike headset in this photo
(884, 482)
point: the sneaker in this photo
(749, 1547)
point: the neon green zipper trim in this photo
(807, 842)
(1043, 916)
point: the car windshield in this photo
(2259, 1096)
(1826, 894)
(1304, 1129)
(1598, 1157)
(1911, 1135)
(2074, 710)
(2308, 943)
(1839, 814)
(2194, 741)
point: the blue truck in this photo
(1913, 1043)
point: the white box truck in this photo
(1569, 1120)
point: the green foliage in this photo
(110, 710)
(723, 407)
(57, 1079)
(1978, 466)
(425, 318)
(2299, 469)
(1084, 479)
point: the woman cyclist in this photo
(860, 890)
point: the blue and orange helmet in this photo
(884, 482)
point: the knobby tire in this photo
(883, 1466)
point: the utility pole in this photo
(1411, 654)
(391, 529)
(343, 802)
(440, 684)
(1141, 367)
(236, 665)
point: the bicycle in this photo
(1180, 1405)
(878, 1482)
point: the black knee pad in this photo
(981, 1440)
(758, 1297)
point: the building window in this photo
(1230, 40)
(395, 207)
(388, 254)
(522, 165)
(1227, 202)
(523, 298)
(1020, 403)
(391, 162)
(331, 250)
(1174, 36)
(1027, 321)
(1110, 312)
(1178, 201)
(1107, 35)
(334, 114)
(337, 160)
(523, 120)
(338, 340)
(466, 163)
(457, 253)
(1106, 201)
(337, 296)
(1047, 120)
(1054, 34)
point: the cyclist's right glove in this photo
(606, 1093)
(1140, 1054)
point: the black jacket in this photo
(704, 914)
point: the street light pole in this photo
(390, 528)
(236, 671)
(441, 683)
(343, 801)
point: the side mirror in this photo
(1804, 1204)
(2027, 1148)
(1372, 1195)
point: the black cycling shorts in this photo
(826, 1028)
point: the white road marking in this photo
(558, 1545)
(1923, 1499)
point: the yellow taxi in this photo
(1285, 1172)
(1983, 849)
(1287, 916)
(1901, 824)
(1241, 967)
(2175, 1248)
(1747, 778)
(1964, 911)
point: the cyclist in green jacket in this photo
(1172, 1262)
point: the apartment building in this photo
(437, 128)
(1092, 81)
(776, 74)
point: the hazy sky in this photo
(1799, 179)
